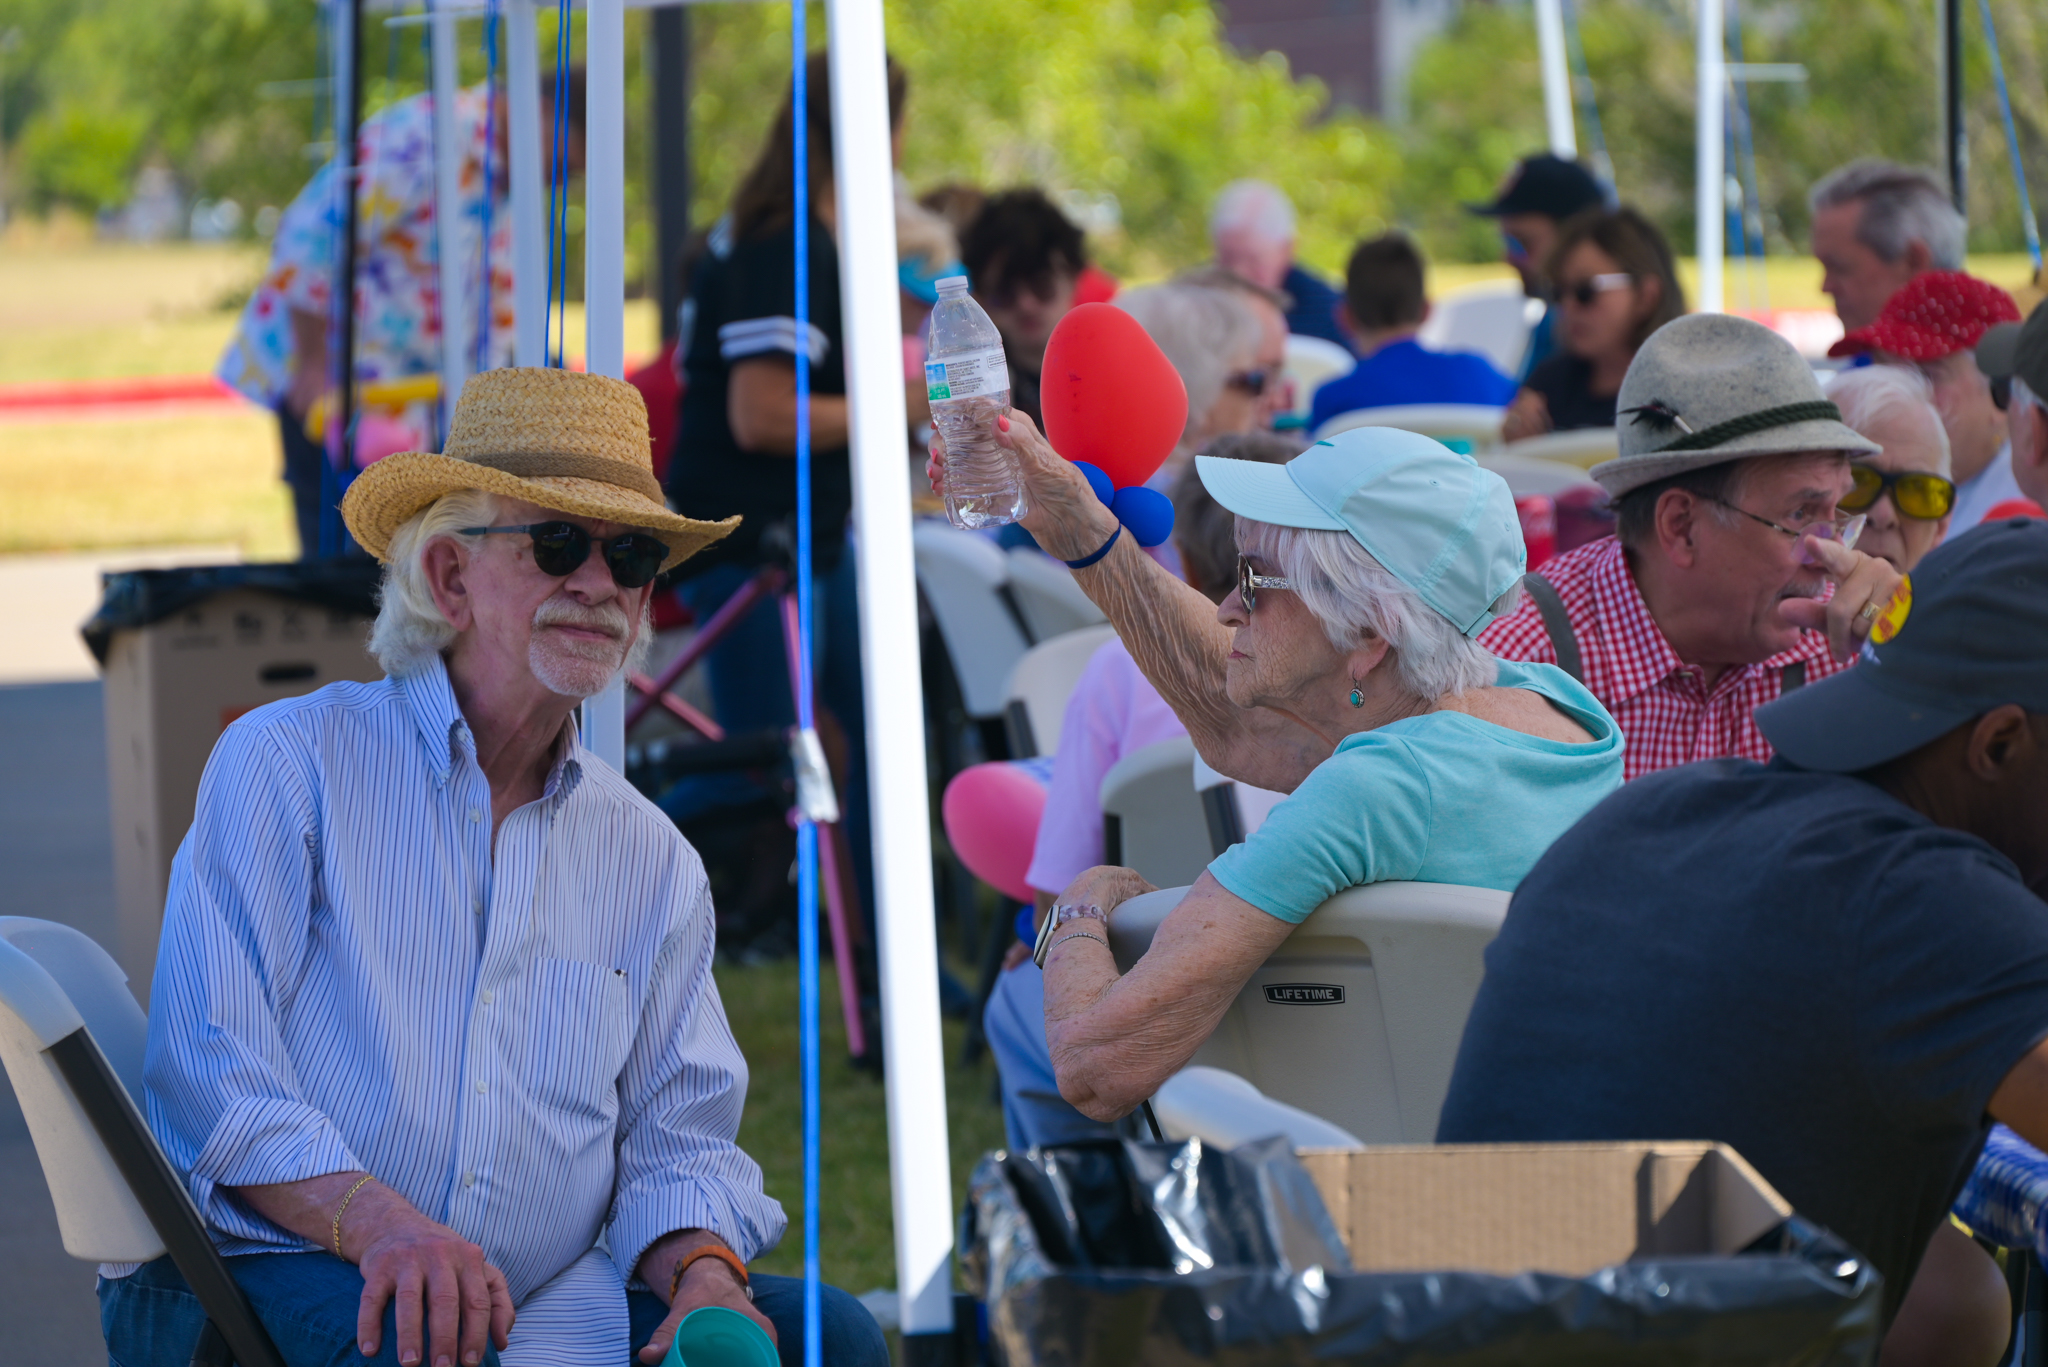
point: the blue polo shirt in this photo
(1408, 372)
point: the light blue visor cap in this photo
(1437, 520)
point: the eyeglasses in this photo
(1915, 493)
(1249, 584)
(559, 548)
(1844, 530)
(1252, 382)
(1584, 292)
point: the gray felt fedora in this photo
(1709, 388)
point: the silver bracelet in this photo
(1079, 935)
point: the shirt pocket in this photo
(580, 1029)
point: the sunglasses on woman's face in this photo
(1584, 292)
(1915, 493)
(1249, 583)
(560, 548)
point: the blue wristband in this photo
(1085, 561)
(1027, 925)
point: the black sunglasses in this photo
(1584, 292)
(560, 547)
(1252, 382)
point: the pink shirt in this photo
(1113, 712)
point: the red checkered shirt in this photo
(1666, 713)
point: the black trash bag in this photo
(137, 598)
(1109, 1254)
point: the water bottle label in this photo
(967, 376)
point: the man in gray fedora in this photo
(1732, 577)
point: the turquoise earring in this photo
(1357, 698)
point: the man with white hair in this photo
(433, 1037)
(1876, 225)
(1252, 230)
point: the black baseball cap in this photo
(2018, 349)
(1973, 636)
(1544, 184)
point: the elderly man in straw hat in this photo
(433, 1034)
(1732, 577)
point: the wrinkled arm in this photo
(1170, 629)
(1114, 1039)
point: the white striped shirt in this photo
(529, 1048)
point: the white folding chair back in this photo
(1152, 817)
(1041, 684)
(965, 579)
(1356, 1018)
(41, 965)
(1476, 423)
(1532, 475)
(1044, 590)
(1584, 447)
(1493, 320)
(1313, 362)
(1223, 1109)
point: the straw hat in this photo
(571, 442)
(1710, 388)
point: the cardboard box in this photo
(172, 687)
(1569, 1209)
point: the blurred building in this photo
(1360, 49)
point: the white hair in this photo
(1901, 205)
(410, 629)
(1256, 207)
(1873, 397)
(1205, 333)
(1351, 594)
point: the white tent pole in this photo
(1557, 80)
(919, 1170)
(604, 275)
(457, 308)
(1709, 188)
(529, 189)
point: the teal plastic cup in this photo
(713, 1336)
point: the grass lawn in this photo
(855, 1229)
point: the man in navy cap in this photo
(1541, 192)
(1836, 963)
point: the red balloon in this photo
(1110, 396)
(991, 813)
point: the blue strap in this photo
(1085, 561)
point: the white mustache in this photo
(605, 617)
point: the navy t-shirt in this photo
(1315, 308)
(1795, 964)
(1566, 384)
(744, 308)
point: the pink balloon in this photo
(991, 813)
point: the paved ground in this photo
(58, 858)
(45, 598)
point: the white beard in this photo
(578, 668)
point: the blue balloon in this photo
(1147, 513)
(1097, 480)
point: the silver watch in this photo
(1061, 915)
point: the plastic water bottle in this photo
(968, 382)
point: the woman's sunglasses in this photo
(1915, 493)
(560, 547)
(1249, 584)
(1584, 292)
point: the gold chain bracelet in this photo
(361, 1182)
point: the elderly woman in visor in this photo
(1341, 671)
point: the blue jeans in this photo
(1034, 1112)
(308, 1303)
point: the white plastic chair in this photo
(1533, 475)
(117, 1197)
(1313, 362)
(1584, 447)
(1152, 818)
(1047, 597)
(1223, 1109)
(1476, 423)
(1493, 320)
(1040, 686)
(965, 579)
(1356, 1018)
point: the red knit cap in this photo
(1933, 315)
